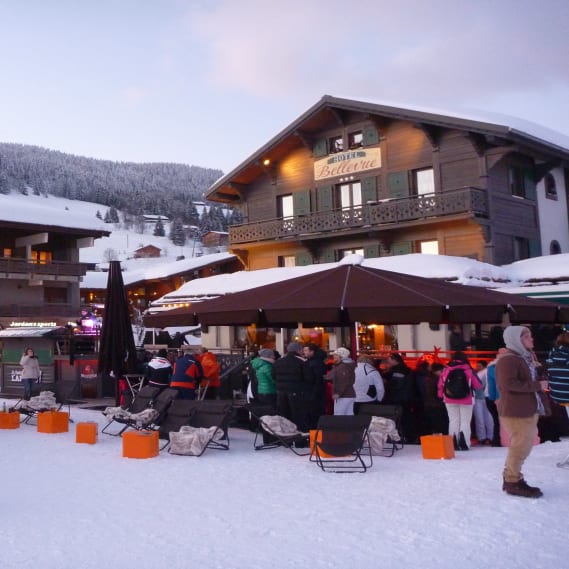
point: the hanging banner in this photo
(351, 162)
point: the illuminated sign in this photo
(33, 325)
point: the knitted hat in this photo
(294, 347)
(344, 353)
(163, 353)
(267, 353)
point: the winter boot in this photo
(462, 442)
(521, 488)
(455, 442)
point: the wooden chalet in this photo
(350, 176)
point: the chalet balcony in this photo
(13, 265)
(373, 214)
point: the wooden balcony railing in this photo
(376, 214)
(59, 268)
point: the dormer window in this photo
(355, 139)
(335, 144)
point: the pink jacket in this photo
(475, 383)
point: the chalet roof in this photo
(305, 128)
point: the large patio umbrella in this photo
(117, 352)
(350, 293)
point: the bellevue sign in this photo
(350, 162)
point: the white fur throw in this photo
(280, 426)
(191, 441)
(42, 402)
(380, 428)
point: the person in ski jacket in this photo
(342, 375)
(187, 373)
(558, 369)
(263, 366)
(159, 370)
(367, 375)
(211, 369)
(522, 400)
(459, 410)
(31, 371)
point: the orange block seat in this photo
(86, 433)
(140, 444)
(437, 446)
(10, 420)
(53, 422)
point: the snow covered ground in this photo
(67, 505)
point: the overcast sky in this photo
(207, 82)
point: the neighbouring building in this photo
(147, 252)
(350, 176)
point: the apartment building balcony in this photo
(15, 266)
(38, 312)
(373, 214)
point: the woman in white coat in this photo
(30, 371)
(368, 385)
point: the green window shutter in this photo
(369, 189)
(303, 259)
(328, 256)
(398, 184)
(529, 185)
(534, 248)
(371, 251)
(301, 202)
(402, 248)
(320, 148)
(371, 136)
(325, 198)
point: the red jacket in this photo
(210, 369)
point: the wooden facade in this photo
(352, 176)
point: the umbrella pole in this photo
(356, 326)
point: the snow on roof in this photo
(512, 123)
(458, 269)
(136, 270)
(51, 211)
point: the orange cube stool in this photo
(86, 432)
(320, 451)
(437, 446)
(53, 422)
(140, 444)
(10, 420)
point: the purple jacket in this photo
(473, 380)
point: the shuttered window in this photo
(398, 184)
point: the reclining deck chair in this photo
(207, 427)
(276, 431)
(122, 415)
(341, 443)
(177, 416)
(393, 440)
(151, 418)
(30, 409)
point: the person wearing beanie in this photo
(294, 382)
(159, 370)
(522, 401)
(265, 390)
(342, 375)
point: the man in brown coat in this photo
(520, 404)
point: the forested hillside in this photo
(161, 188)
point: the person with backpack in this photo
(455, 387)
(188, 372)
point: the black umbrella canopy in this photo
(352, 293)
(117, 352)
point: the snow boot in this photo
(462, 442)
(455, 442)
(521, 488)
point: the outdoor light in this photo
(266, 162)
